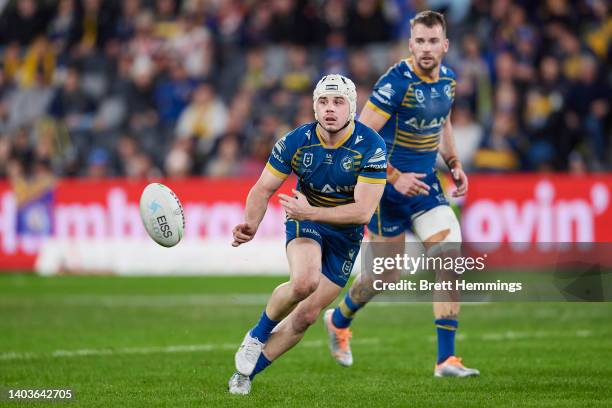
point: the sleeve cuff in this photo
(371, 180)
(276, 172)
(378, 110)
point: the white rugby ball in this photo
(162, 214)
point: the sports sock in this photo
(262, 363)
(344, 312)
(446, 329)
(263, 328)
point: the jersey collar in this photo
(419, 74)
(343, 139)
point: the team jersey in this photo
(417, 109)
(327, 175)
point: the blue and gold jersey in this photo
(417, 109)
(327, 175)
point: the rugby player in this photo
(410, 107)
(341, 169)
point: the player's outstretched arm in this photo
(366, 196)
(256, 205)
(448, 151)
(372, 117)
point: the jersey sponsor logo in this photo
(347, 163)
(424, 124)
(407, 74)
(327, 188)
(436, 186)
(378, 166)
(434, 93)
(447, 91)
(386, 91)
(308, 158)
(280, 145)
(308, 134)
(311, 231)
(379, 155)
(277, 156)
(358, 139)
(392, 228)
(419, 95)
(380, 98)
(329, 158)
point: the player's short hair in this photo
(429, 19)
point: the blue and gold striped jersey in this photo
(416, 109)
(327, 175)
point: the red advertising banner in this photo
(499, 208)
(529, 208)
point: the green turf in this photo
(530, 354)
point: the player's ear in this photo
(446, 44)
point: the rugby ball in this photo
(162, 214)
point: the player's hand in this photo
(243, 233)
(297, 207)
(461, 181)
(410, 184)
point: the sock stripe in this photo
(445, 327)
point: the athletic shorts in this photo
(339, 246)
(395, 212)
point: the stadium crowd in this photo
(142, 88)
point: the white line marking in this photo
(186, 348)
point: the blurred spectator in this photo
(23, 23)
(193, 46)
(98, 163)
(501, 149)
(225, 163)
(367, 23)
(474, 83)
(62, 26)
(468, 134)
(204, 119)
(179, 163)
(71, 104)
(173, 93)
(589, 101)
(125, 28)
(299, 74)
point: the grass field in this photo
(144, 342)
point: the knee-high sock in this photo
(344, 312)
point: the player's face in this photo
(428, 46)
(332, 112)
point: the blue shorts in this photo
(339, 246)
(395, 211)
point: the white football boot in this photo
(452, 367)
(239, 384)
(339, 345)
(247, 354)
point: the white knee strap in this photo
(438, 219)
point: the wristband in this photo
(392, 174)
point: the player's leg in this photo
(387, 234)
(338, 320)
(304, 255)
(439, 230)
(290, 330)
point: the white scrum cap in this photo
(336, 85)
